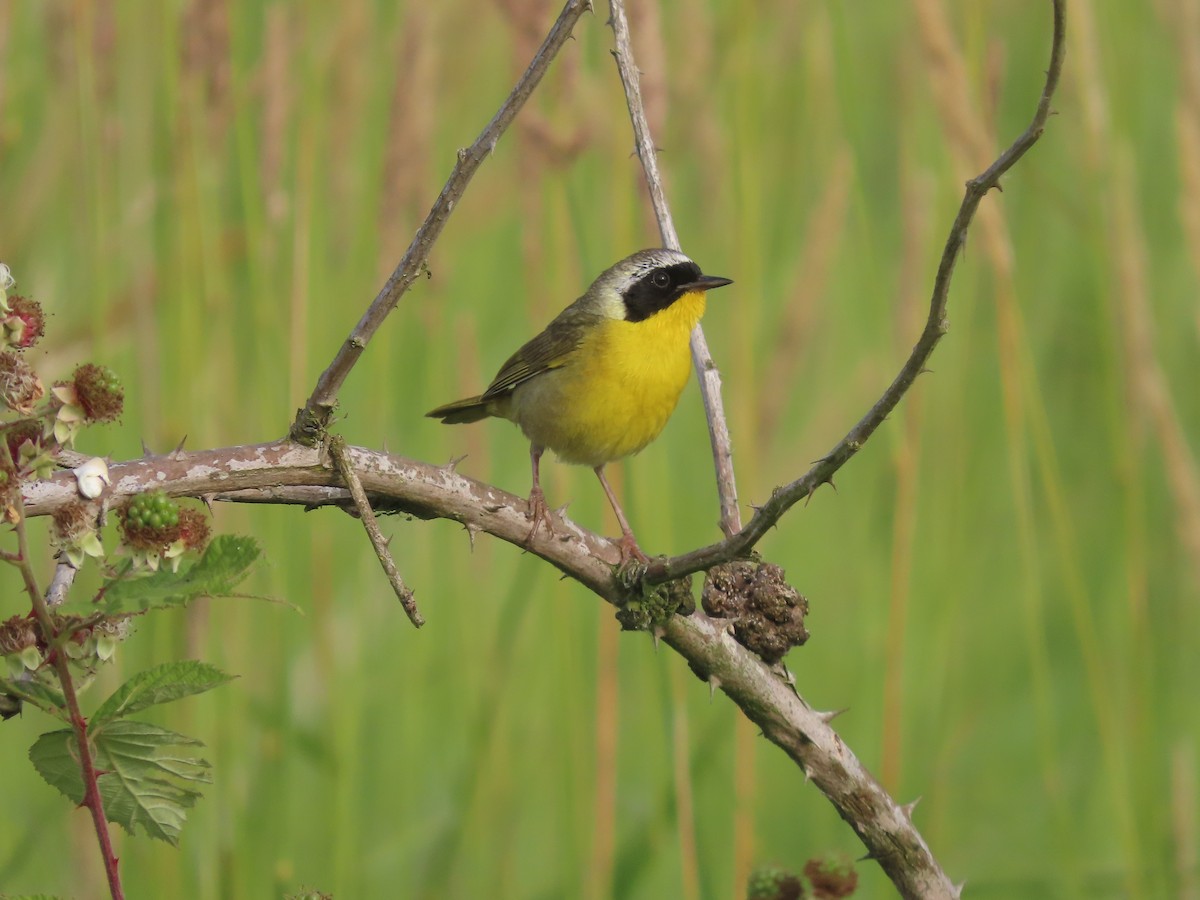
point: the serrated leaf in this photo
(146, 769)
(53, 755)
(222, 567)
(162, 684)
(36, 692)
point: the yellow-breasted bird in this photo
(603, 378)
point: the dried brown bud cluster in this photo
(17, 634)
(831, 878)
(98, 391)
(20, 387)
(767, 612)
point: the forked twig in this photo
(784, 498)
(345, 468)
(310, 423)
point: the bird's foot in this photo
(633, 563)
(630, 550)
(538, 513)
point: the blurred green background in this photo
(1005, 586)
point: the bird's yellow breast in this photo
(614, 394)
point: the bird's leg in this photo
(538, 511)
(628, 543)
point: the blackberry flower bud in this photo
(24, 323)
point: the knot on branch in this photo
(767, 612)
(657, 604)
(309, 427)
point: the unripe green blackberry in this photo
(150, 521)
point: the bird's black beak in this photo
(706, 283)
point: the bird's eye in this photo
(661, 279)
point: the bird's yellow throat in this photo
(618, 391)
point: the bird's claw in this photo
(538, 513)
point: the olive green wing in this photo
(551, 349)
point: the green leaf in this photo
(162, 684)
(36, 692)
(222, 567)
(54, 756)
(147, 773)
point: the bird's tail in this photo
(472, 409)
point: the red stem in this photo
(91, 783)
(91, 778)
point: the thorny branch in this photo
(784, 498)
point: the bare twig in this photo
(784, 498)
(311, 421)
(341, 460)
(706, 370)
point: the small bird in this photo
(601, 381)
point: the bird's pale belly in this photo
(617, 391)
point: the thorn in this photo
(471, 532)
(908, 808)
(958, 888)
(177, 453)
(830, 715)
(207, 500)
(656, 634)
(146, 452)
(807, 775)
(785, 675)
(714, 684)
(453, 462)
